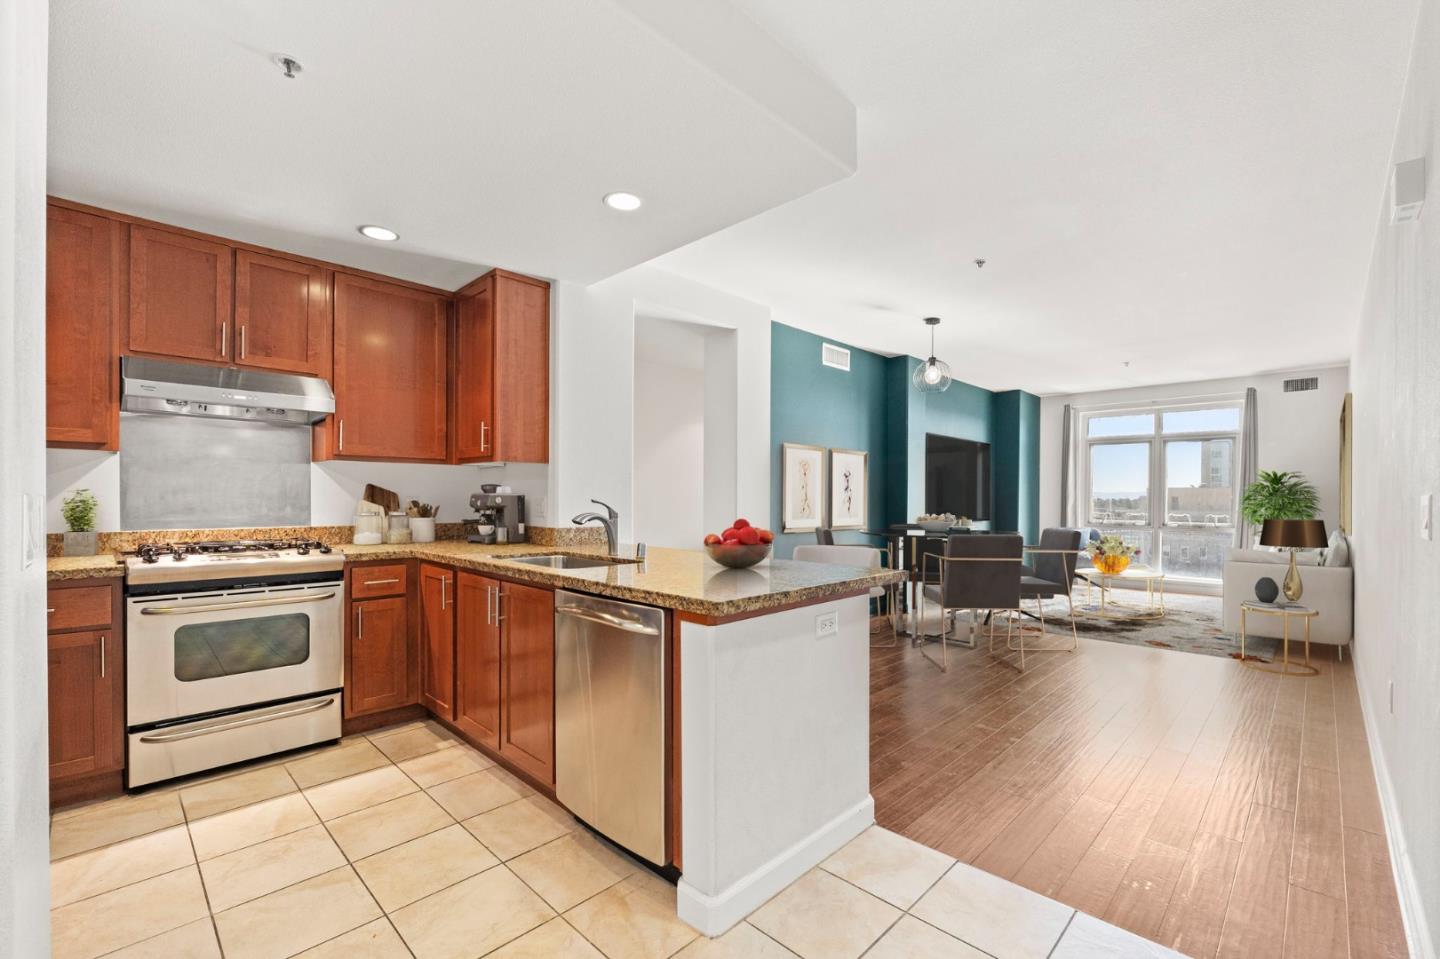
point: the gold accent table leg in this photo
(1307, 643)
(1285, 619)
(1242, 634)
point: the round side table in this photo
(1284, 667)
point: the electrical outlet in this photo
(827, 624)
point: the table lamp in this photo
(1293, 534)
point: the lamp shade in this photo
(1293, 533)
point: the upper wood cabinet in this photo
(282, 314)
(181, 295)
(82, 329)
(437, 639)
(501, 396)
(527, 728)
(391, 356)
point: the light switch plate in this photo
(1427, 522)
(827, 624)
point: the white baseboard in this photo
(1412, 908)
(713, 915)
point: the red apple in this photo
(740, 523)
(766, 536)
(731, 541)
(712, 540)
(731, 532)
(749, 536)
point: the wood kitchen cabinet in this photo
(382, 667)
(477, 659)
(86, 680)
(527, 726)
(82, 329)
(391, 371)
(181, 296)
(437, 639)
(501, 389)
(282, 314)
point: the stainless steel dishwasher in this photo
(610, 719)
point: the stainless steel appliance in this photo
(234, 650)
(610, 706)
(504, 511)
(160, 386)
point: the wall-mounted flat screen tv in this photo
(957, 476)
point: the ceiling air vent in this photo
(1301, 384)
(836, 356)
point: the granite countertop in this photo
(84, 567)
(685, 580)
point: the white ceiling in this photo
(1191, 187)
(485, 132)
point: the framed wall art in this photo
(802, 482)
(849, 488)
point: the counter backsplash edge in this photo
(127, 541)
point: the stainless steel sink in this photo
(564, 561)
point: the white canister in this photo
(369, 529)
(422, 529)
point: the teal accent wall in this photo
(875, 408)
(821, 406)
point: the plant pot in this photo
(422, 529)
(1112, 565)
(81, 544)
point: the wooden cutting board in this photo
(387, 500)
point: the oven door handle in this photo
(228, 723)
(244, 604)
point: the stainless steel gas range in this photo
(235, 650)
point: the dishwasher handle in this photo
(605, 619)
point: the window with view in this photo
(1165, 481)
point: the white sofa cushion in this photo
(1303, 557)
(1338, 552)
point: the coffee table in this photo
(1284, 667)
(1153, 579)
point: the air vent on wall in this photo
(836, 356)
(1301, 384)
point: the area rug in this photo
(1192, 624)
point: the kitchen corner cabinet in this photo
(391, 371)
(381, 661)
(83, 262)
(86, 679)
(527, 727)
(181, 296)
(437, 640)
(501, 396)
(282, 314)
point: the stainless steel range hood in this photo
(159, 386)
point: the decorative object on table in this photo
(932, 376)
(1279, 494)
(387, 500)
(1266, 589)
(1111, 554)
(79, 509)
(422, 521)
(741, 545)
(802, 481)
(369, 524)
(849, 488)
(936, 522)
(1293, 534)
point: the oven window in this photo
(211, 650)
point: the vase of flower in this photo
(1112, 555)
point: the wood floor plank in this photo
(1196, 912)
(1318, 863)
(1372, 909)
(1145, 890)
(1315, 927)
(1255, 915)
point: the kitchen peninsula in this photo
(766, 690)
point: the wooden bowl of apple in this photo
(740, 546)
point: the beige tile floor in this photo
(405, 842)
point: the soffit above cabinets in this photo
(482, 131)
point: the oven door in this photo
(194, 654)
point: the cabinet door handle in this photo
(102, 657)
(443, 581)
(379, 582)
(499, 606)
(484, 446)
(489, 606)
(242, 342)
(359, 622)
(224, 335)
(49, 610)
(342, 437)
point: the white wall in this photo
(24, 795)
(593, 407)
(1396, 372)
(669, 433)
(1297, 431)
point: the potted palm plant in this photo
(79, 509)
(1278, 494)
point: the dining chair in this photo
(864, 557)
(975, 573)
(1050, 573)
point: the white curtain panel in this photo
(1069, 509)
(1249, 455)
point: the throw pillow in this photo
(1338, 552)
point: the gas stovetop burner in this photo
(179, 552)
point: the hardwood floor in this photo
(1214, 809)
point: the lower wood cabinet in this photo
(437, 640)
(382, 663)
(86, 679)
(527, 724)
(477, 659)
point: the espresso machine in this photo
(503, 512)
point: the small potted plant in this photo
(79, 510)
(1278, 494)
(1112, 555)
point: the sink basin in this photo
(564, 561)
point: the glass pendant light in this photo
(932, 376)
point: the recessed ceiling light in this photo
(625, 202)
(379, 233)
